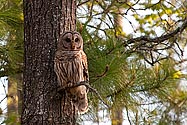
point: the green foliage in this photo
(11, 36)
(12, 120)
(143, 76)
(11, 44)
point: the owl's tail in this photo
(81, 100)
(83, 105)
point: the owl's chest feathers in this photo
(69, 56)
(70, 63)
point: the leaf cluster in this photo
(11, 37)
(136, 71)
(11, 46)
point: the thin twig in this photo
(161, 38)
(104, 73)
(82, 3)
(128, 117)
(86, 83)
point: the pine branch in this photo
(147, 46)
(158, 39)
(85, 83)
(94, 91)
(10, 72)
(104, 73)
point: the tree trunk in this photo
(116, 116)
(117, 113)
(14, 97)
(44, 22)
(12, 100)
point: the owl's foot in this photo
(60, 90)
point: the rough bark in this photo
(44, 21)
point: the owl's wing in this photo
(85, 67)
(59, 69)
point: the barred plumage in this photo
(70, 66)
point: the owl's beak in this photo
(73, 45)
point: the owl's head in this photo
(70, 41)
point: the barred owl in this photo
(70, 66)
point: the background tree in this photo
(117, 112)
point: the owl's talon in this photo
(60, 90)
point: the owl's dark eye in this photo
(68, 40)
(76, 40)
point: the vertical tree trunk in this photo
(44, 22)
(12, 100)
(117, 113)
(14, 97)
(116, 116)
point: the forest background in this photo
(136, 54)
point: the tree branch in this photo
(85, 83)
(145, 44)
(82, 3)
(104, 73)
(158, 39)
